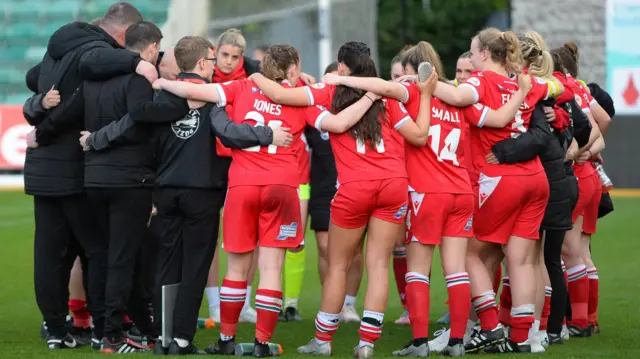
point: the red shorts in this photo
(510, 206)
(355, 202)
(434, 215)
(588, 202)
(268, 216)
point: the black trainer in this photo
(485, 338)
(555, 339)
(261, 350)
(577, 332)
(222, 347)
(82, 335)
(190, 349)
(510, 347)
(96, 342)
(67, 341)
(291, 314)
(123, 346)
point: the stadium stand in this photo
(26, 25)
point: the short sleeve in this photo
(476, 114)
(319, 94)
(412, 91)
(397, 113)
(227, 91)
(478, 83)
(314, 116)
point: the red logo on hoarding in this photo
(13, 130)
(630, 93)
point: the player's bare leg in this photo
(249, 315)
(521, 257)
(322, 241)
(592, 274)
(481, 261)
(381, 238)
(342, 245)
(354, 278)
(233, 293)
(578, 280)
(399, 271)
(419, 258)
(294, 266)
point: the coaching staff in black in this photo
(119, 182)
(54, 165)
(192, 181)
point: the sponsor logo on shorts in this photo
(288, 231)
(469, 224)
(401, 212)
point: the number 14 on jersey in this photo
(451, 142)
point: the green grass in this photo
(615, 247)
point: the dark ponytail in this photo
(369, 128)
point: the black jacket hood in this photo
(76, 34)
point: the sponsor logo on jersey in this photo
(288, 231)
(318, 85)
(469, 224)
(187, 126)
(578, 99)
(324, 135)
(474, 81)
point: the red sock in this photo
(485, 307)
(399, 270)
(546, 308)
(592, 274)
(370, 326)
(81, 316)
(326, 326)
(504, 315)
(521, 320)
(232, 297)
(268, 306)
(497, 279)
(459, 291)
(579, 295)
(418, 304)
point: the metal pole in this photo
(324, 29)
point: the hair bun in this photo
(573, 49)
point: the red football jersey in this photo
(304, 159)
(438, 167)
(493, 90)
(358, 161)
(320, 94)
(265, 165)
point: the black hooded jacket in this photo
(76, 52)
(540, 140)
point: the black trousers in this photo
(65, 227)
(552, 260)
(123, 214)
(190, 219)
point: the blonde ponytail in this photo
(504, 48)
